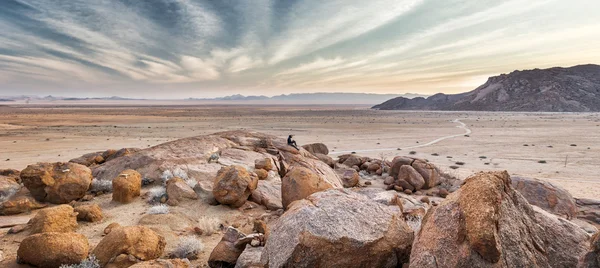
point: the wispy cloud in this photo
(301, 45)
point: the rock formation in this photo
(57, 183)
(53, 249)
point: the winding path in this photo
(460, 125)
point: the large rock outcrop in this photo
(268, 194)
(430, 174)
(227, 251)
(338, 228)
(124, 244)
(592, 258)
(299, 183)
(20, 203)
(546, 195)
(233, 185)
(488, 224)
(316, 148)
(57, 183)
(52, 249)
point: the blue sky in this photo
(201, 48)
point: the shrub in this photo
(435, 154)
(412, 152)
(454, 167)
(158, 209)
(154, 194)
(101, 186)
(191, 182)
(188, 247)
(573, 145)
(542, 161)
(166, 175)
(483, 157)
(460, 163)
(209, 225)
(178, 172)
(89, 262)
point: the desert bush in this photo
(178, 172)
(188, 247)
(454, 167)
(166, 175)
(89, 262)
(154, 194)
(573, 145)
(412, 152)
(483, 157)
(460, 163)
(209, 225)
(101, 186)
(542, 161)
(435, 154)
(191, 182)
(414, 222)
(7, 194)
(158, 209)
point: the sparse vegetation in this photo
(454, 167)
(525, 144)
(158, 209)
(448, 156)
(101, 186)
(460, 163)
(209, 225)
(412, 152)
(483, 157)
(435, 154)
(188, 247)
(154, 194)
(573, 145)
(89, 262)
(542, 161)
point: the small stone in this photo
(399, 188)
(407, 191)
(419, 193)
(17, 229)
(368, 183)
(443, 193)
(110, 227)
(425, 199)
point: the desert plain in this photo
(562, 148)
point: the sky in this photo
(211, 48)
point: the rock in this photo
(11, 173)
(233, 185)
(489, 224)
(57, 183)
(592, 258)
(19, 204)
(268, 194)
(316, 148)
(586, 226)
(428, 171)
(160, 263)
(89, 160)
(226, 253)
(326, 159)
(410, 175)
(264, 163)
(90, 213)
(179, 190)
(139, 242)
(338, 228)
(299, 183)
(127, 186)
(261, 227)
(372, 168)
(425, 199)
(53, 249)
(250, 258)
(17, 229)
(368, 183)
(112, 154)
(443, 193)
(398, 162)
(261, 174)
(398, 188)
(349, 177)
(8, 187)
(546, 195)
(389, 180)
(111, 226)
(353, 161)
(60, 219)
(407, 191)
(404, 184)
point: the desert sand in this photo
(517, 142)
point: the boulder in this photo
(9, 172)
(227, 252)
(428, 171)
(592, 258)
(373, 167)
(264, 163)
(487, 223)
(325, 159)
(89, 213)
(261, 174)
(160, 263)
(410, 175)
(405, 185)
(316, 148)
(8, 187)
(299, 183)
(398, 162)
(546, 195)
(389, 180)
(338, 228)
(349, 177)
(250, 258)
(19, 203)
(57, 183)
(133, 242)
(53, 249)
(268, 194)
(89, 160)
(178, 189)
(60, 219)
(353, 160)
(233, 185)
(127, 186)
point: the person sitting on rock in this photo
(292, 142)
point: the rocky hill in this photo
(574, 89)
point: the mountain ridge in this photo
(556, 89)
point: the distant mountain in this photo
(316, 98)
(574, 89)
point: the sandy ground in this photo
(517, 142)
